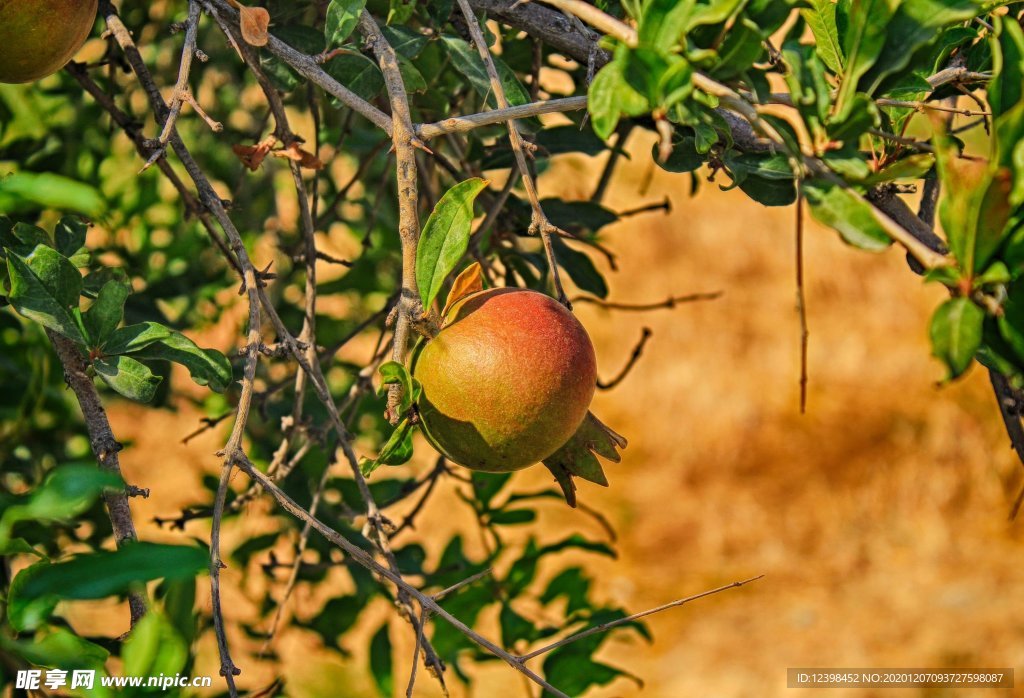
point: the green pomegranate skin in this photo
(507, 381)
(37, 37)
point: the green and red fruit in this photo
(38, 37)
(507, 381)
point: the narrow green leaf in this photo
(381, 663)
(847, 213)
(51, 191)
(821, 18)
(46, 301)
(131, 338)
(467, 61)
(445, 237)
(128, 377)
(105, 314)
(342, 18)
(955, 331)
(59, 649)
(66, 492)
(106, 573)
(206, 366)
(863, 41)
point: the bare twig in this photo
(670, 302)
(539, 223)
(403, 137)
(801, 302)
(645, 334)
(462, 124)
(605, 627)
(182, 92)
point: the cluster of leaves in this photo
(39, 525)
(44, 284)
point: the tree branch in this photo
(104, 446)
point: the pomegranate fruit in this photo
(37, 37)
(507, 381)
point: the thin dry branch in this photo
(403, 137)
(539, 223)
(605, 627)
(463, 124)
(182, 92)
(645, 334)
(670, 302)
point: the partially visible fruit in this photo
(38, 37)
(507, 381)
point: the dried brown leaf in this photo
(254, 21)
(470, 280)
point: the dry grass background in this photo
(878, 518)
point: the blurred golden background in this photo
(879, 517)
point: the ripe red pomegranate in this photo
(507, 381)
(37, 37)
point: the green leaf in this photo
(342, 18)
(356, 72)
(514, 628)
(571, 583)
(468, 62)
(105, 314)
(106, 573)
(397, 450)
(67, 491)
(955, 332)
(57, 274)
(128, 377)
(821, 18)
(487, 485)
(663, 22)
(206, 366)
(380, 662)
(911, 167)
(846, 212)
(45, 288)
(445, 237)
(50, 191)
(18, 546)
(580, 268)
(914, 24)
(131, 338)
(58, 649)
(154, 647)
(70, 235)
(976, 209)
(611, 96)
(513, 517)
(25, 614)
(863, 40)
(684, 157)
